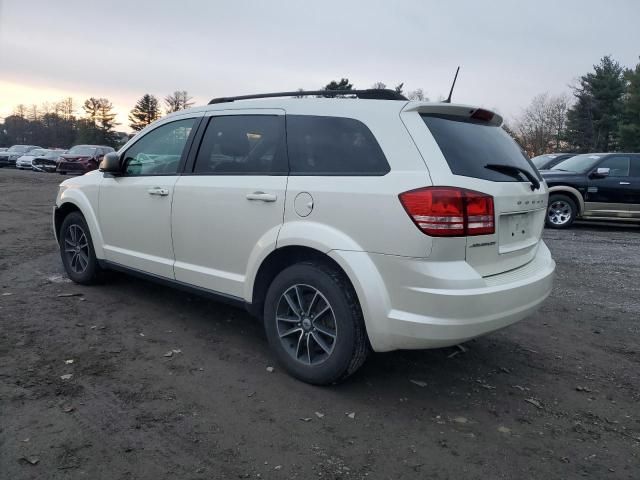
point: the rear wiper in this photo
(513, 170)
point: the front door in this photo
(229, 204)
(616, 194)
(135, 207)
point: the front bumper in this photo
(426, 304)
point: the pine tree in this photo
(146, 111)
(629, 131)
(593, 122)
(107, 123)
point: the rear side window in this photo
(469, 145)
(333, 146)
(243, 145)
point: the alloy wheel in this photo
(76, 248)
(306, 324)
(559, 212)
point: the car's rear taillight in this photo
(450, 211)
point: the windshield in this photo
(82, 150)
(38, 151)
(18, 148)
(579, 163)
(542, 160)
(52, 154)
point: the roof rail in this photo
(370, 94)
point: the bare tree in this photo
(20, 111)
(33, 114)
(417, 94)
(178, 100)
(540, 128)
(66, 108)
(379, 86)
(558, 110)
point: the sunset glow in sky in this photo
(508, 51)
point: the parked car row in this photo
(25, 162)
(79, 159)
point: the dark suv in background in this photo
(594, 186)
(82, 159)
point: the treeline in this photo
(602, 115)
(65, 123)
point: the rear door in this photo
(477, 154)
(615, 195)
(230, 202)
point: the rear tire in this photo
(561, 212)
(314, 323)
(76, 249)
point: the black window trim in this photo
(612, 155)
(185, 152)
(190, 164)
(293, 173)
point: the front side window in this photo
(618, 166)
(159, 151)
(333, 146)
(242, 145)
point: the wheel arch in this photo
(79, 203)
(277, 261)
(571, 192)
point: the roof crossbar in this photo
(370, 94)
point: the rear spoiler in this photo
(466, 111)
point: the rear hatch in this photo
(466, 147)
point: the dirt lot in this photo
(556, 396)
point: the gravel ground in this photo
(556, 396)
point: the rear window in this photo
(469, 145)
(333, 146)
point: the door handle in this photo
(163, 192)
(261, 196)
(625, 183)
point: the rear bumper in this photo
(423, 304)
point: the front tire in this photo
(561, 212)
(314, 323)
(76, 249)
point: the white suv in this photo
(346, 224)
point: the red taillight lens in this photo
(450, 211)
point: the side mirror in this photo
(601, 172)
(110, 163)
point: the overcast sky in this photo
(509, 51)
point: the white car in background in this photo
(346, 225)
(25, 162)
